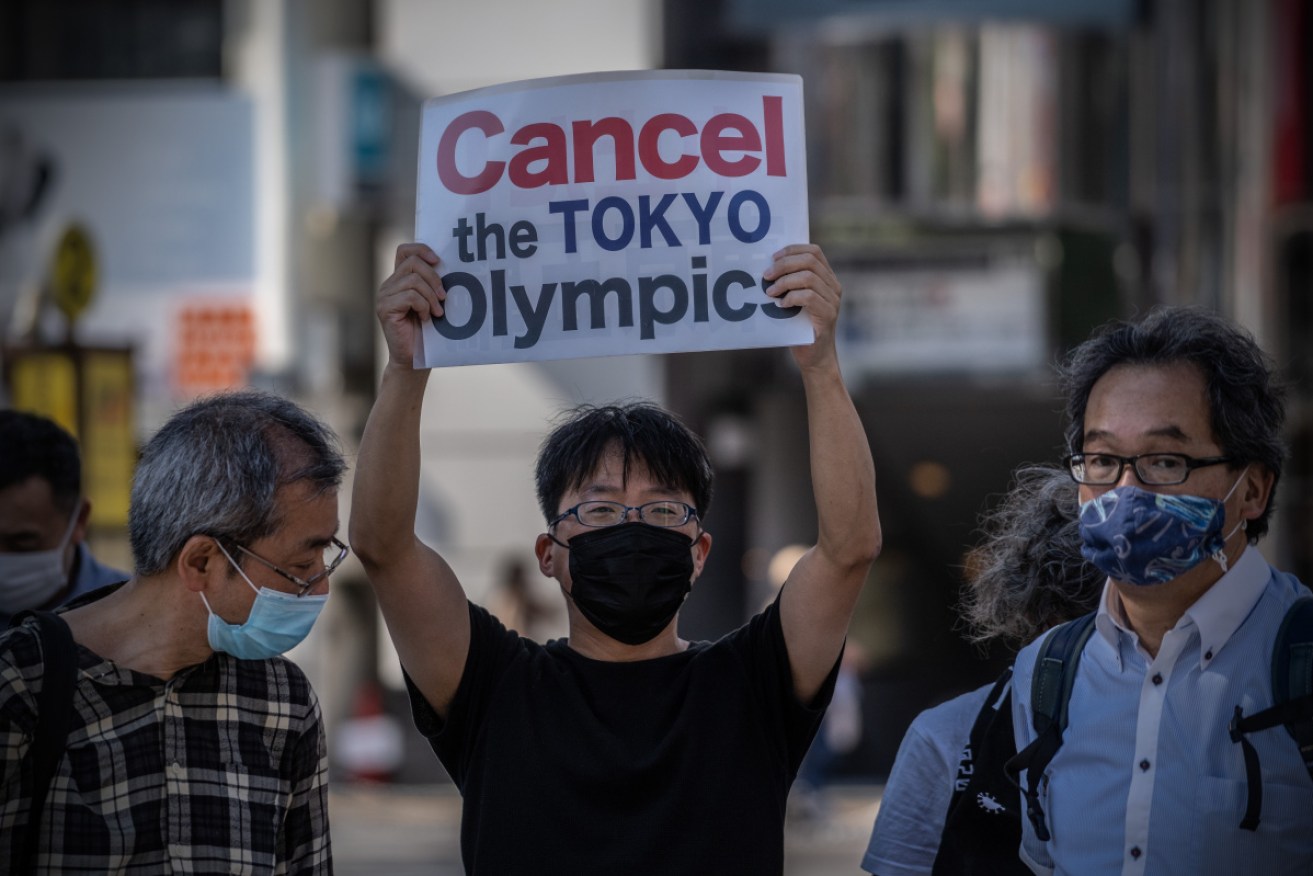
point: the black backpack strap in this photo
(1292, 698)
(1050, 690)
(54, 719)
(1292, 676)
(982, 825)
(980, 727)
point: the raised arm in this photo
(821, 592)
(422, 601)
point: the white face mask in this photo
(30, 579)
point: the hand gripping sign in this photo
(611, 213)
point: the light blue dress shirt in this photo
(926, 773)
(1147, 779)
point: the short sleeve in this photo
(761, 642)
(492, 648)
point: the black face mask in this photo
(630, 580)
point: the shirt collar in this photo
(1110, 621)
(1225, 605)
(1217, 614)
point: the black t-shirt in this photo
(676, 765)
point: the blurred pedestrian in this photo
(44, 558)
(188, 743)
(840, 734)
(624, 748)
(1174, 429)
(948, 807)
(514, 603)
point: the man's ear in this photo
(701, 548)
(542, 549)
(79, 534)
(200, 562)
(1255, 491)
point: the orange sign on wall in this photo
(215, 347)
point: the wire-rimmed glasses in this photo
(303, 585)
(665, 514)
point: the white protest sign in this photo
(611, 213)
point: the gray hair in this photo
(1027, 574)
(215, 468)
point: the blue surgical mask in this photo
(1148, 538)
(278, 622)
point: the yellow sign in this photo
(92, 394)
(46, 383)
(109, 435)
(73, 273)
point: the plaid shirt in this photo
(220, 769)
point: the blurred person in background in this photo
(948, 807)
(1174, 430)
(44, 558)
(840, 734)
(515, 603)
(624, 748)
(191, 744)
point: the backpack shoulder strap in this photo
(1292, 702)
(1292, 675)
(1051, 684)
(980, 728)
(54, 703)
(982, 825)
(1055, 673)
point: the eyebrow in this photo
(607, 486)
(315, 541)
(1171, 431)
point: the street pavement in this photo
(407, 830)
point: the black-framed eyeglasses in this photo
(1156, 469)
(603, 513)
(331, 562)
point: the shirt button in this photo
(1157, 678)
(1135, 852)
(1208, 655)
(1144, 764)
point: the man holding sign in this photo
(624, 748)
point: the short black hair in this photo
(1246, 401)
(34, 445)
(641, 431)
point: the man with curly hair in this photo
(947, 807)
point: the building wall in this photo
(482, 424)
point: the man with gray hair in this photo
(192, 744)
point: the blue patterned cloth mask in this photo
(1148, 538)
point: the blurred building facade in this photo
(991, 180)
